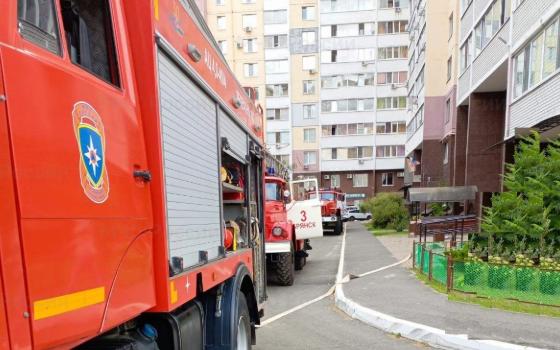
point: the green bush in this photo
(388, 212)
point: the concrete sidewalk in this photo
(398, 293)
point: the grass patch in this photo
(385, 232)
(490, 303)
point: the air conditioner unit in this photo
(394, 86)
(312, 71)
(327, 177)
(397, 9)
(306, 167)
(360, 161)
(348, 176)
(401, 174)
(248, 29)
(239, 45)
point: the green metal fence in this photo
(526, 284)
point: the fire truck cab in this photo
(333, 206)
(116, 119)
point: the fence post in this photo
(413, 255)
(430, 263)
(449, 273)
(422, 258)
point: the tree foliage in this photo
(388, 211)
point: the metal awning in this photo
(442, 194)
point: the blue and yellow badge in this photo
(90, 135)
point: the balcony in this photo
(348, 164)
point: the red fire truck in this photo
(290, 223)
(126, 148)
(333, 206)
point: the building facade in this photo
(332, 79)
(431, 122)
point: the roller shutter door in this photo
(190, 153)
(237, 138)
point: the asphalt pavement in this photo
(320, 325)
(398, 293)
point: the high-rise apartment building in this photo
(331, 77)
(364, 56)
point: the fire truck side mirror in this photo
(286, 195)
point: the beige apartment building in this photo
(238, 28)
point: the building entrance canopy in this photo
(441, 194)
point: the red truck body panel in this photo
(76, 267)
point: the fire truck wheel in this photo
(285, 268)
(243, 324)
(338, 227)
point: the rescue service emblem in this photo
(90, 136)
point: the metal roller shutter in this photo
(237, 138)
(190, 152)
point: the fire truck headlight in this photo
(277, 231)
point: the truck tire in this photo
(285, 267)
(243, 329)
(338, 226)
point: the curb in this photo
(414, 331)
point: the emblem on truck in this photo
(90, 136)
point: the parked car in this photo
(355, 214)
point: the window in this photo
(334, 130)
(38, 24)
(384, 53)
(360, 180)
(275, 17)
(221, 22)
(390, 151)
(308, 13)
(536, 60)
(491, 22)
(309, 135)
(249, 45)
(334, 154)
(284, 158)
(328, 6)
(220, 2)
(449, 68)
(309, 158)
(347, 105)
(551, 57)
(223, 46)
(277, 90)
(360, 152)
(350, 55)
(276, 41)
(450, 26)
(247, 1)
(309, 111)
(383, 4)
(277, 66)
(387, 179)
(360, 129)
(466, 54)
(278, 138)
(392, 78)
(392, 27)
(335, 181)
(251, 69)
(309, 62)
(445, 153)
(309, 37)
(249, 21)
(390, 127)
(308, 87)
(397, 102)
(252, 92)
(92, 49)
(447, 110)
(277, 113)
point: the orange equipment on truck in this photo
(116, 120)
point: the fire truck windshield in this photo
(327, 196)
(273, 192)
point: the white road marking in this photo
(339, 280)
